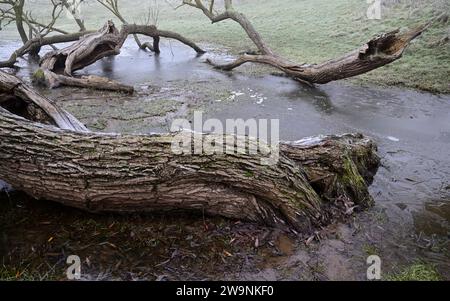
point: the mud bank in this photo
(410, 222)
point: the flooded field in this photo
(409, 225)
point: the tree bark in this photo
(57, 66)
(379, 51)
(22, 100)
(140, 173)
(39, 42)
(18, 11)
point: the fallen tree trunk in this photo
(21, 100)
(141, 173)
(91, 81)
(379, 51)
(337, 167)
(38, 43)
(57, 66)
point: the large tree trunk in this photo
(38, 43)
(57, 66)
(313, 180)
(18, 12)
(379, 51)
(21, 100)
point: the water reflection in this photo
(416, 163)
(107, 66)
(313, 94)
(434, 219)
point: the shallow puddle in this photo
(410, 222)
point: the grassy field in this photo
(307, 31)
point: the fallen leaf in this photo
(228, 254)
(310, 240)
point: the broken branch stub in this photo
(379, 51)
(57, 66)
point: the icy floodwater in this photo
(412, 129)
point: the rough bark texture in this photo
(338, 167)
(57, 66)
(21, 100)
(379, 51)
(39, 42)
(137, 173)
(18, 11)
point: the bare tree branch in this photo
(379, 51)
(39, 42)
(57, 66)
(39, 31)
(113, 7)
(71, 7)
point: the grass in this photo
(8, 273)
(416, 272)
(370, 249)
(308, 31)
